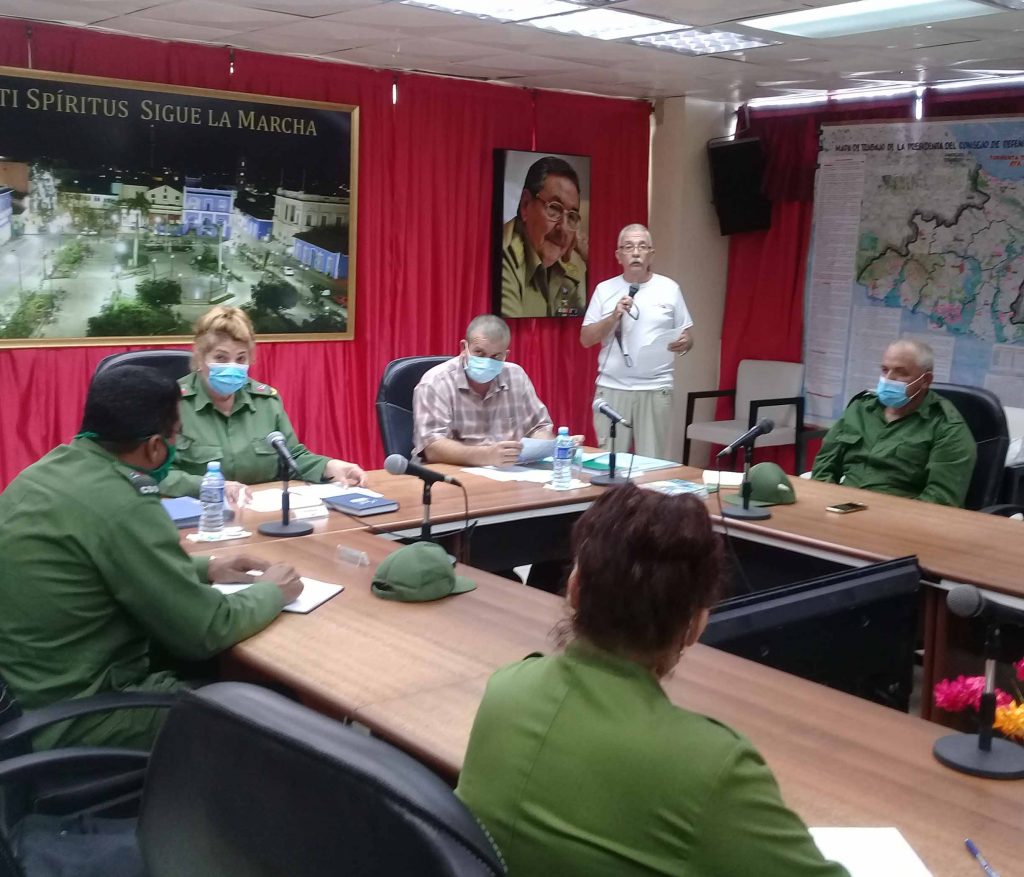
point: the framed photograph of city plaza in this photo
(539, 236)
(128, 209)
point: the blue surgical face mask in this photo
(483, 369)
(893, 394)
(227, 377)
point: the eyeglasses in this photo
(555, 211)
(640, 248)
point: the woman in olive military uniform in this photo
(226, 416)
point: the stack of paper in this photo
(535, 450)
(723, 479)
(677, 486)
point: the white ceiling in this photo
(385, 33)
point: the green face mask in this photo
(160, 472)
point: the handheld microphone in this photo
(633, 288)
(764, 426)
(604, 408)
(277, 442)
(968, 602)
(396, 464)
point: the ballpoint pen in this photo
(974, 851)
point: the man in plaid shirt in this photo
(474, 409)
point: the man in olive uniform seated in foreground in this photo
(94, 571)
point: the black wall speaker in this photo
(737, 167)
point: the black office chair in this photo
(44, 794)
(173, 363)
(244, 781)
(984, 414)
(1005, 510)
(394, 401)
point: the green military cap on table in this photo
(418, 573)
(769, 485)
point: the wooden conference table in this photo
(415, 673)
(953, 546)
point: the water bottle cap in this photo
(563, 430)
(213, 466)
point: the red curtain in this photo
(423, 253)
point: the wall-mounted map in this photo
(918, 231)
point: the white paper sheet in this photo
(870, 852)
(511, 473)
(652, 357)
(269, 499)
(314, 592)
(535, 450)
(725, 479)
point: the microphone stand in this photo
(745, 511)
(612, 478)
(285, 527)
(425, 526)
(995, 759)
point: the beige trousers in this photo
(649, 411)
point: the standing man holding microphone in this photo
(642, 324)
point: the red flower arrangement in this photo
(964, 692)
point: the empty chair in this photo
(984, 415)
(244, 781)
(173, 363)
(394, 401)
(764, 388)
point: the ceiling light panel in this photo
(604, 24)
(979, 83)
(864, 16)
(702, 42)
(502, 10)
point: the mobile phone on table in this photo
(844, 508)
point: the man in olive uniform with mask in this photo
(903, 439)
(94, 571)
(474, 409)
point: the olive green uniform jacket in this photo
(580, 766)
(237, 440)
(93, 574)
(928, 455)
(528, 290)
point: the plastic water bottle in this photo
(561, 474)
(211, 495)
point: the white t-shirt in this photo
(659, 307)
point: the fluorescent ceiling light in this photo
(604, 24)
(869, 93)
(863, 16)
(978, 83)
(702, 42)
(503, 10)
(790, 100)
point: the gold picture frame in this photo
(134, 205)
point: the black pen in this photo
(974, 851)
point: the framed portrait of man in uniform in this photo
(541, 210)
